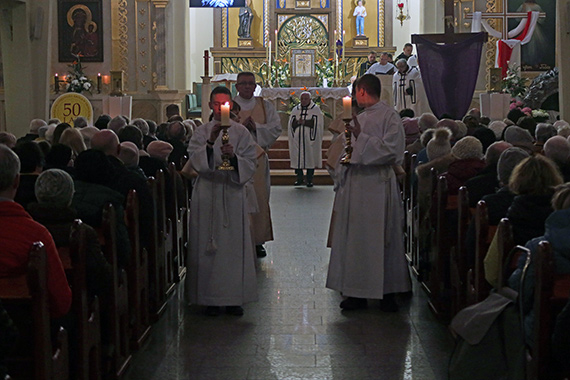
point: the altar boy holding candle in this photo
(367, 257)
(221, 257)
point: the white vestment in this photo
(221, 262)
(408, 90)
(268, 129)
(367, 257)
(305, 141)
(378, 68)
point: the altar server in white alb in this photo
(262, 120)
(408, 89)
(221, 261)
(306, 125)
(367, 257)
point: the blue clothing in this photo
(359, 25)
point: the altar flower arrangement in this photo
(76, 80)
(325, 70)
(540, 115)
(514, 84)
(277, 75)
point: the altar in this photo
(281, 96)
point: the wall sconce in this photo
(401, 16)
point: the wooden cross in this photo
(504, 15)
(449, 36)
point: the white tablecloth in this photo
(285, 92)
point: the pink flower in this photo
(512, 106)
(400, 5)
(527, 111)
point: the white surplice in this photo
(305, 142)
(409, 92)
(221, 258)
(367, 257)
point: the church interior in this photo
(138, 60)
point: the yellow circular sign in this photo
(69, 106)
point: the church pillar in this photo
(25, 38)
(563, 56)
(159, 43)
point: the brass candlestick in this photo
(225, 158)
(348, 148)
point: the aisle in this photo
(296, 330)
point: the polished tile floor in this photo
(296, 330)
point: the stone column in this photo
(159, 44)
(144, 46)
(563, 55)
(24, 56)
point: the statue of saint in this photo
(245, 18)
(360, 13)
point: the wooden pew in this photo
(25, 298)
(550, 295)
(407, 204)
(477, 287)
(412, 217)
(116, 307)
(507, 257)
(137, 275)
(176, 214)
(458, 255)
(86, 312)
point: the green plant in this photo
(280, 74)
(325, 70)
(514, 84)
(76, 79)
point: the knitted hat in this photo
(426, 121)
(462, 129)
(439, 145)
(467, 147)
(54, 186)
(508, 122)
(560, 123)
(411, 129)
(519, 137)
(159, 149)
(544, 131)
(497, 127)
(129, 154)
(452, 125)
(507, 162)
(485, 135)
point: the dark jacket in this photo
(484, 183)
(557, 232)
(527, 215)
(89, 200)
(58, 220)
(26, 190)
(460, 171)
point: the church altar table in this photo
(279, 96)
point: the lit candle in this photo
(276, 45)
(106, 79)
(347, 107)
(98, 83)
(56, 83)
(225, 114)
(270, 54)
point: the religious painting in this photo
(80, 30)
(303, 62)
(538, 53)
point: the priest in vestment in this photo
(306, 125)
(367, 256)
(262, 120)
(221, 261)
(408, 89)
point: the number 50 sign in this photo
(69, 106)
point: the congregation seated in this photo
(542, 133)
(557, 233)
(31, 164)
(485, 135)
(58, 131)
(177, 137)
(520, 138)
(8, 139)
(19, 231)
(94, 173)
(102, 121)
(33, 134)
(161, 151)
(132, 133)
(527, 123)
(129, 155)
(54, 191)
(151, 135)
(59, 157)
(486, 182)
(532, 181)
(116, 123)
(557, 148)
(72, 138)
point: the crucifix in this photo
(504, 15)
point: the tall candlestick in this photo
(276, 45)
(346, 107)
(56, 83)
(270, 54)
(225, 108)
(99, 83)
(343, 47)
(206, 63)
